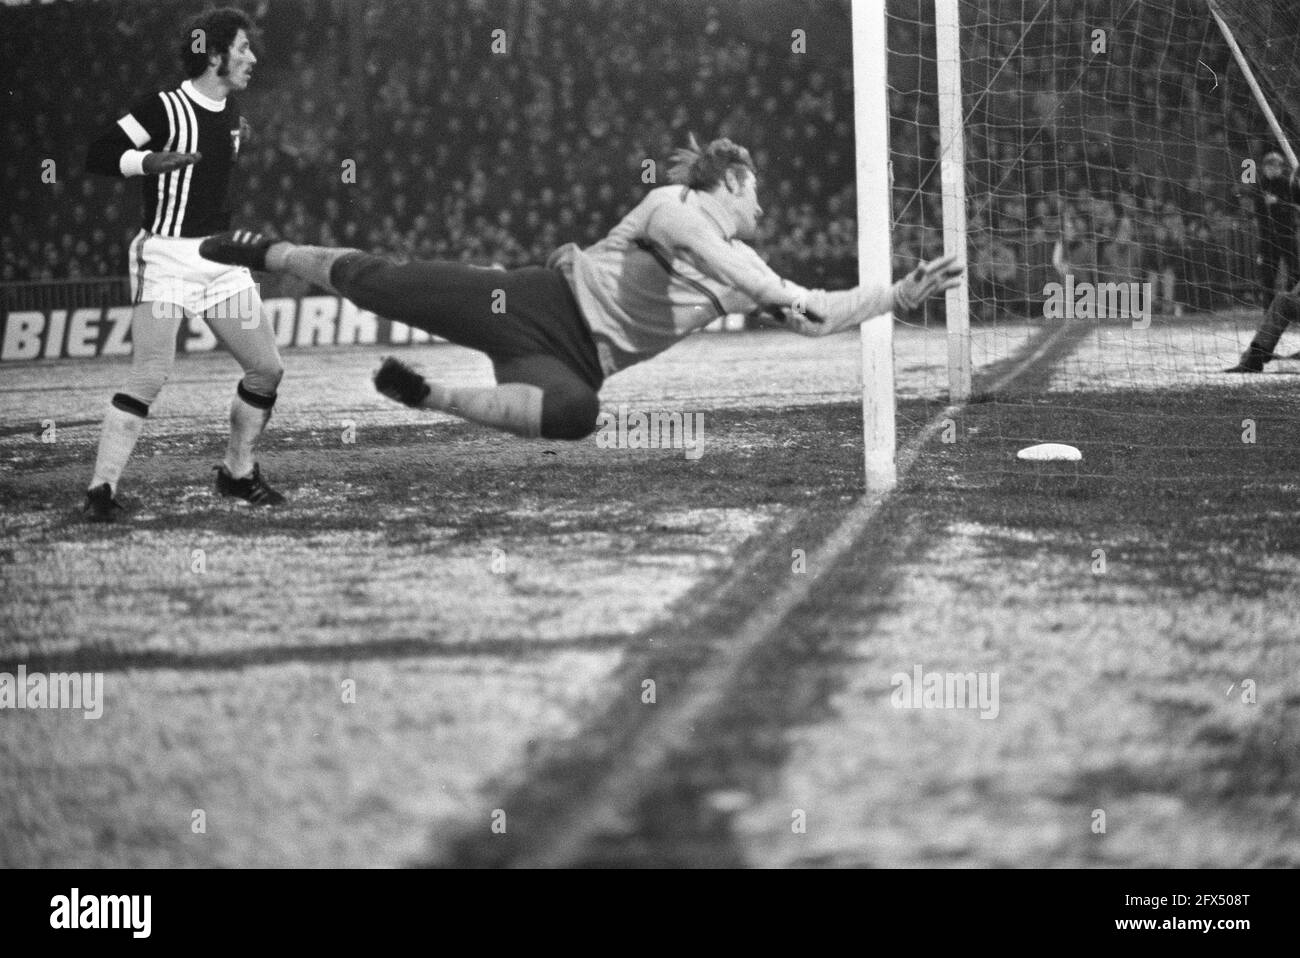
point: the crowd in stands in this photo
(398, 130)
(455, 151)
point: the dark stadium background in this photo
(460, 153)
(468, 155)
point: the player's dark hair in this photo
(217, 29)
(704, 168)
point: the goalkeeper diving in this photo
(555, 333)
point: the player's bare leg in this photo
(512, 407)
(261, 253)
(310, 263)
(154, 326)
(243, 329)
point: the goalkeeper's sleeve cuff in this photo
(842, 309)
(902, 298)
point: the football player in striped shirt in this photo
(676, 262)
(182, 144)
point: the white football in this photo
(1050, 452)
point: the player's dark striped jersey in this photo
(191, 201)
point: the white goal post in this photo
(875, 252)
(952, 178)
(875, 226)
(1239, 55)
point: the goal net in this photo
(1111, 159)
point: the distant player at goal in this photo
(1275, 205)
(675, 263)
(183, 145)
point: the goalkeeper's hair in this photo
(220, 27)
(704, 168)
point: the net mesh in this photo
(1114, 184)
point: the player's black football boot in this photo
(252, 488)
(398, 381)
(1252, 361)
(237, 248)
(100, 505)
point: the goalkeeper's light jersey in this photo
(672, 266)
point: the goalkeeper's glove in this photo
(928, 279)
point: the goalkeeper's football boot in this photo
(252, 488)
(100, 505)
(237, 248)
(400, 382)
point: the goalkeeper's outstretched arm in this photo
(821, 313)
(811, 312)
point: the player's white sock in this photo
(513, 407)
(246, 424)
(117, 438)
(311, 263)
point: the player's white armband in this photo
(134, 130)
(132, 162)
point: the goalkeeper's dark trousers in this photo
(526, 321)
(1284, 309)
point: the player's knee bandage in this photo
(130, 404)
(569, 412)
(257, 400)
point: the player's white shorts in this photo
(170, 270)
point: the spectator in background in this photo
(1076, 249)
(1164, 259)
(1114, 234)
